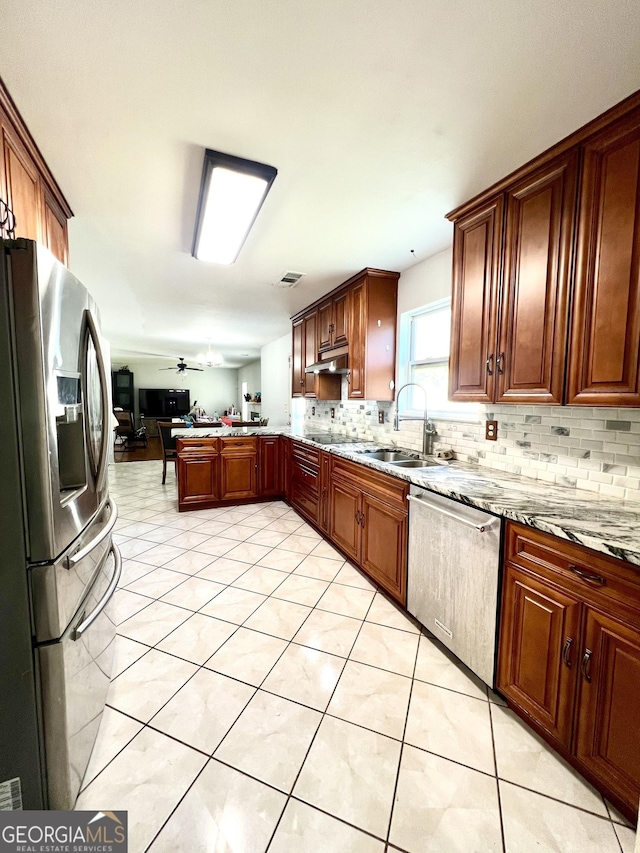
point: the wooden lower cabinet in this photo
(198, 479)
(344, 526)
(569, 656)
(238, 475)
(384, 545)
(325, 479)
(270, 468)
(538, 649)
(607, 738)
(368, 521)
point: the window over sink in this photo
(425, 339)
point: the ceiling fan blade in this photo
(200, 369)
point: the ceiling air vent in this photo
(289, 279)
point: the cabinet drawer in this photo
(383, 486)
(200, 445)
(307, 477)
(301, 499)
(305, 454)
(228, 445)
(598, 579)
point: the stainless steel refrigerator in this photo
(58, 565)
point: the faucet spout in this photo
(428, 429)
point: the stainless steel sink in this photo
(387, 455)
(413, 463)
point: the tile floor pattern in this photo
(267, 697)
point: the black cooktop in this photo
(325, 438)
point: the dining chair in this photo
(168, 446)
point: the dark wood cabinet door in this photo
(325, 326)
(605, 330)
(238, 474)
(607, 741)
(474, 305)
(297, 360)
(538, 652)
(344, 514)
(286, 468)
(384, 546)
(357, 332)
(55, 227)
(310, 352)
(533, 325)
(198, 479)
(22, 185)
(325, 478)
(270, 473)
(339, 331)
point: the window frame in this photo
(465, 412)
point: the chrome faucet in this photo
(429, 431)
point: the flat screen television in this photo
(164, 402)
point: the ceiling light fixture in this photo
(232, 191)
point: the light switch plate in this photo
(491, 430)
(381, 416)
(333, 413)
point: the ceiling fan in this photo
(181, 367)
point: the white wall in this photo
(276, 380)
(252, 375)
(214, 389)
(425, 282)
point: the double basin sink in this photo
(396, 458)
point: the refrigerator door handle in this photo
(90, 619)
(74, 559)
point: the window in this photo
(425, 344)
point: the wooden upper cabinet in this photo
(605, 333)
(297, 359)
(474, 306)
(371, 331)
(332, 322)
(27, 186)
(310, 352)
(537, 255)
(22, 183)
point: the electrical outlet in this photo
(313, 410)
(491, 430)
(333, 413)
(381, 416)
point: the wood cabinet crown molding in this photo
(12, 113)
(574, 139)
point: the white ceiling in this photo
(380, 116)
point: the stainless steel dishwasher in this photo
(452, 587)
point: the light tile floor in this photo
(267, 697)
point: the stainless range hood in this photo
(338, 363)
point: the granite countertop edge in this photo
(606, 525)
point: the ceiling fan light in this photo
(232, 191)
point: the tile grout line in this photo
(498, 792)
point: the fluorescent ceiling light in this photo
(232, 191)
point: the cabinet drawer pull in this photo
(566, 652)
(499, 361)
(489, 363)
(587, 576)
(585, 664)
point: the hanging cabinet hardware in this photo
(499, 361)
(586, 659)
(489, 364)
(588, 576)
(566, 652)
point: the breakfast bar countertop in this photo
(608, 525)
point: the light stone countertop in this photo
(607, 525)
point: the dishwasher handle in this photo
(481, 526)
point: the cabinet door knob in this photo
(566, 652)
(586, 659)
(588, 576)
(489, 363)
